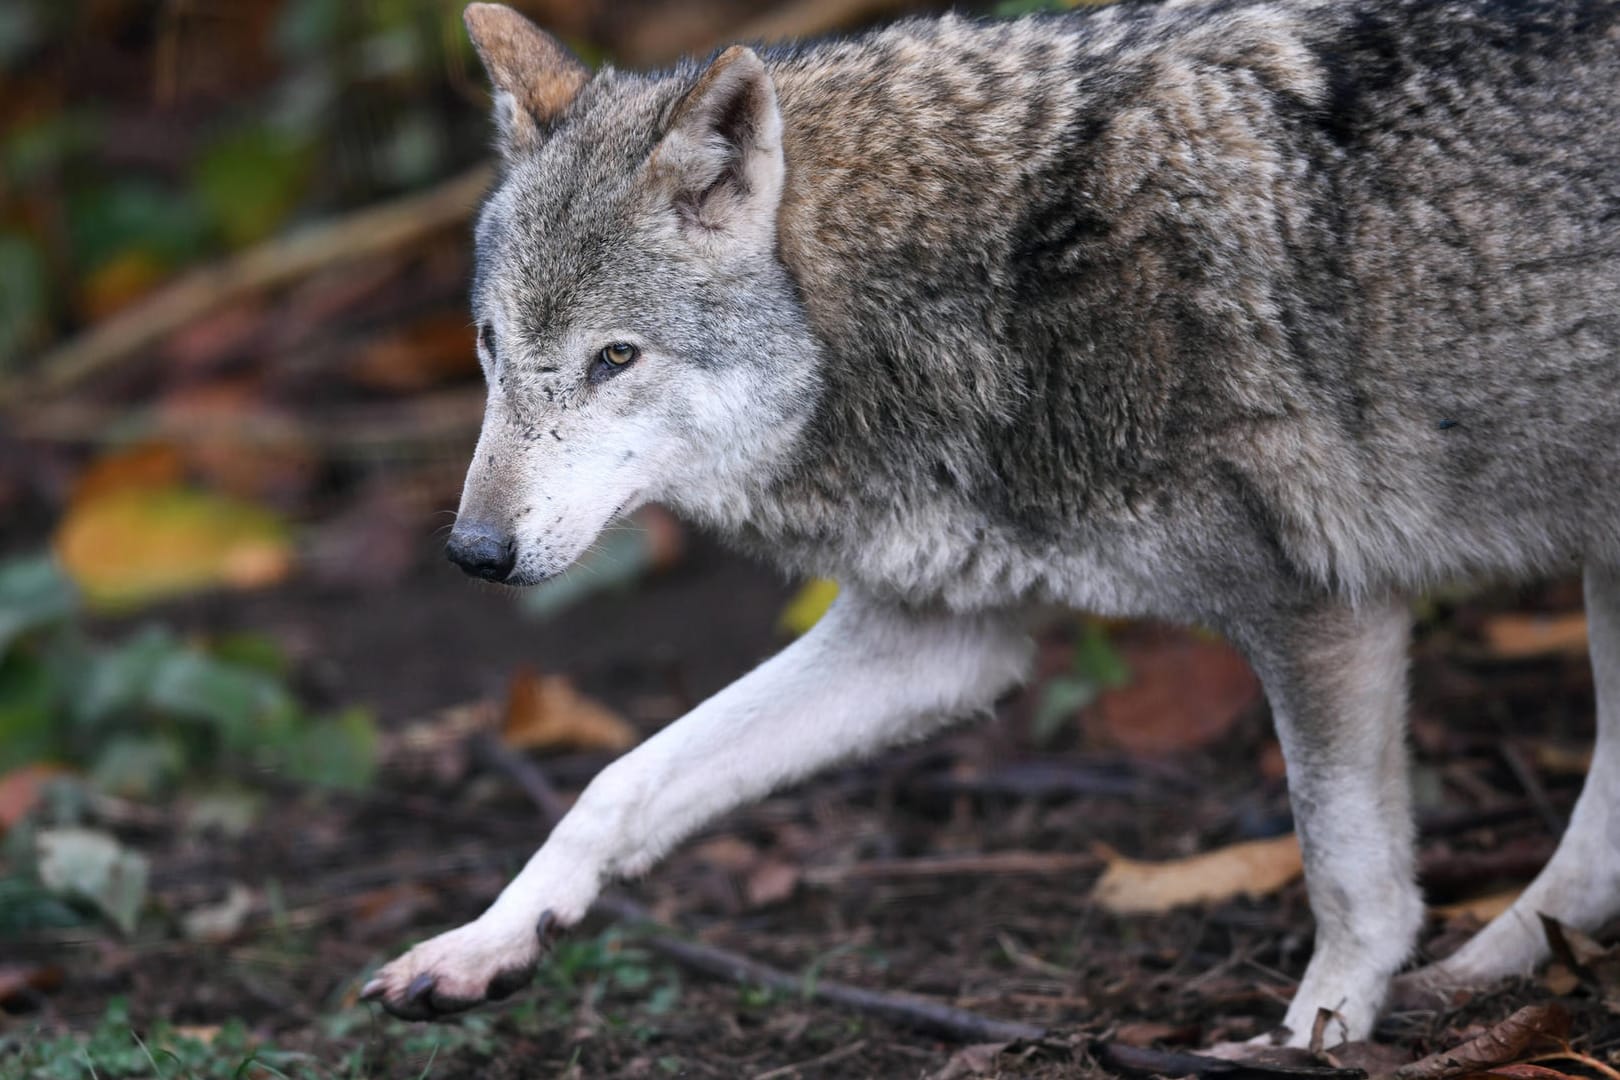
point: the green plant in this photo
(141, 714)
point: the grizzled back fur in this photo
(1163, 309)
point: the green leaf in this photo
(33, 593)
(23, 300)
(338, 752)
(242, 704)
(249, 180)
(93, 866)
(115, 218)
(114, 682)
(1061, 698)
(28, 695)
(137, 766)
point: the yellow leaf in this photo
(808, 605)
(126, 548)
(1255, 868)
(1481, 909)
(547, 713)
(1517, 636)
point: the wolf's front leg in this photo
(866, 676)
(1336, 679)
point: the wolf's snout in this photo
(482, 551)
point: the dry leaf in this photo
(145, 467)
(21, 986)
(20, 791)
(1482, 909)
(727, 853)
(1595, 962)
(1186, 692)
(436, 349)
(130, 547)
(546, 713)
(772, 882)
(1502, 1045)
(1255, 868)
(235, 441)
(1518, 636)
(1565, 760)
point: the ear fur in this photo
(720, 164)
(534, 75)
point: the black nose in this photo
(482, 551)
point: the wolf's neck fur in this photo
(976, 216)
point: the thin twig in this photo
(904, 1009)
(991, 862)
(359, 235)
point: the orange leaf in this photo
(20, 791)
(142, 467)
(547, 713)
(1255, 868)
(1516, 636)
(129, 547)
(437, 349)
(1186, 692)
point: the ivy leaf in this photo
(92, 866)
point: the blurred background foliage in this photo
(238, 390)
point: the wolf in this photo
(1265, 315)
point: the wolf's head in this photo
(640, 338)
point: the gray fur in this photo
(1262, 315)
(1227, 302)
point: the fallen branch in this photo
(993, 862)
(360, 235)
(904, 1009)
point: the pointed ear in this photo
(720, 164)
(535, 77)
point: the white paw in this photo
(486, 960)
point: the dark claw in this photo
(420, 989)
(547, 929)
(509, 982)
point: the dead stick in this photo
(359, 235)
(901, 1008)
(992, 862)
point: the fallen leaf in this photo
(216, 923)
(727, 853)
(132, 547)
(1520, 636)
(1481, 909)
(1254, 868)
(432, 350)
(144, 466)
(772, 882)
(21, 985)
(808, 605)
(236, 442)
(978, 1059)
(118, 283)
(546, 713)
(21, 790)
(94, 867)
(1582, 954)
(1501, 1045)
(1567, 760)
(1186, 692)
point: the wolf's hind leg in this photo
(1580, 886)
(1336, 679)
(867, 675)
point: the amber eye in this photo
(619, 353)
